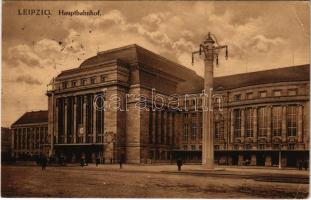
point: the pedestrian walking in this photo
(179, 164)
(121, 160)
(300, 164)
(97, 161)
(82, 162)
(306, 164)
(43, 162)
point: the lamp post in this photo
(209, 52)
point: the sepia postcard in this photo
(155, 99)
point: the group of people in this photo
(302, 164)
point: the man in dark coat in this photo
(121, 160)
(179, 164)
(97, 161)
(44, 162)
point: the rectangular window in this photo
(276, 146)
(200, 130)
(237, 123)
(73, 83)
(192, 147)
(65, 84)
(277, 121)
(249, 122)
(249, 95)
(187, 103)
(216, 147)
(277, 93)
(194, 132)
(261, 146)
(291, 146)
(263, 94)
(83, 82)
(93, 80)
(186, 133)
(200, 102)
(193, 117)
(237, 97)
(262, 122)
(219, 130)
(102, 78)
(291, 120)
(292, 92)
(193, 101)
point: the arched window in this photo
(262, 122)
(291, 120)
(249, 122)
(277, 121)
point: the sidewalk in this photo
(200, 169)
(195, 168)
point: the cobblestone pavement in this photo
(153, 181)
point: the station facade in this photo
(152, 112)
(29, 135)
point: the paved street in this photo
(153, 181)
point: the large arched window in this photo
(219, 129)
(262, 122)
(249, 122)
(291, 120)
(237, 122)
(277, 121)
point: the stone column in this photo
(154, 131)
(17, 139)
(208, 114)
(26, 138)
(242, 123)
(284, 131)
(39, 132)
(173, 130)
(84, 118)
(255, 124)
(56, 122)
(13, 147)
(22, 139)
(159, 127)
(165, 127)
(177, 128)
(94, 119)
(75, 102)
(65, 121)
(300, 119)
(35, 139)
(169, 127)
(231, 126)
(30, 134)
(269, 123)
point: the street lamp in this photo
(209, 51)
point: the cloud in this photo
(28, 80)
(22, 54)
(260, 35)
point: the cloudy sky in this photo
(260, 35)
